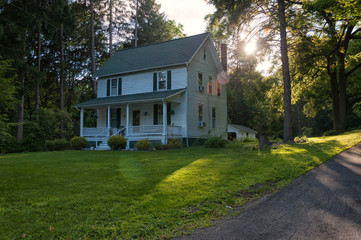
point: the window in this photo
(162, 80)
(219, 88)
(204, 54)
(200, 80)
(200, 112)
(213, 117)
(114, 87)
(210, 87)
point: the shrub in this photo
(57, 145)
(307, 131)
(329, 133)
(143, 145)
(302, 139)
(77, 143)
(9, 144)
(215, 142)
(117, 142)
(172, 144)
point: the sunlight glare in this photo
(250, 47)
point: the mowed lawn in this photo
(150, 195)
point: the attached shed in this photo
(240, 132)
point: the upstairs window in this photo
(210, 87)
(200, 81)
(219, 88)
(114, 87)
(162, 80)
(204, 54)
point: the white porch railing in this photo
(154, 130)
(93, 132)
(98, 134)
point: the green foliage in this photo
(307, 131)
(172, 144)
(215, 142)
(329, 133)
(191, 186)
(57, 145)
(77, 143)
(301, 139)
(143, 145)
(117, 142)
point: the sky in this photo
(190, 13)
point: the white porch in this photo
(155, 119)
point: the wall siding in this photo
(143, 82)
(208, 67)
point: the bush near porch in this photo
(151, 195)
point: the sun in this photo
(250, 47)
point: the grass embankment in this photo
(150, 195)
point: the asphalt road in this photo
(325, 203)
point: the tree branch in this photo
(353, 69)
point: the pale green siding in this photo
(210, 66)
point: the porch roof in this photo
(130, 98)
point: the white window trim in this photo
(198, 80)
(166, 80)
(215, 117)
(111, 86)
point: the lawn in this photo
(150, 195)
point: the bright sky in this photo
(190, 13)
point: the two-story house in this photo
(173, 89)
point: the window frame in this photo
(111, 87)
(200, 80)
(214, 117)
(210, 85)
(165, 81)
(200, 116)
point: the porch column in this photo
(81, 121)
(108, 118)
(164, 122)
(127, 127)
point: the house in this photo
(169, 90)
(240, 132)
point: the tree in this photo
(323, 51)
(236, 13)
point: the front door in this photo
(136, 118)
(115, 118)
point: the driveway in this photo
(325, 203)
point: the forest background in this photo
(49, 50)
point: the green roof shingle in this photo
(163, 54)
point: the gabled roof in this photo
(242, 128)
(130, 98)
(164, 54)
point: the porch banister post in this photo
(164, 121)
(108, 118)
(127, 122)
(81, 121)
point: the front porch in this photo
(155, 119)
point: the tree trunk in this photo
(92, 47)
(20, 117)
(61, 102)
(110, 27)
(136, 26)
(37, 91)
(341, 127)
(287, 125)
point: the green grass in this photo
(151, 195)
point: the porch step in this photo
(103, 146)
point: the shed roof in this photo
(130, 98)
(164, 54)
(242, 128)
